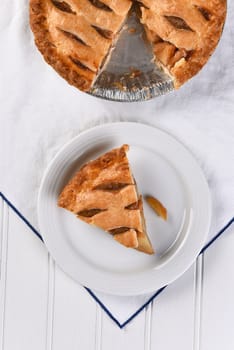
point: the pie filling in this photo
(77, 36)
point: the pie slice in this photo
(75, 36)
(104, 193)
(183, 33)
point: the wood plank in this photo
(148, 326)
(4, 220)
(131, 337)
(199, 277)
(75, 315)
(50, 303)
(218, 295)
(26, 276)
(1, 230)
(173, 314)
(98, 328)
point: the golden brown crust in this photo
(128, 238)
(184, 34)
(103, 193)
(45, 45)
(93, 173)
(59, 27)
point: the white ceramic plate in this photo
(164, 168)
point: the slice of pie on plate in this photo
(104, 193)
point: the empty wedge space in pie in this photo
(76, 36)
(104, 193)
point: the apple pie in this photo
(183, 33)
(76, 36)
(104, 193)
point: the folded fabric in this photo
(121, 310)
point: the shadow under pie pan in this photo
(126, 51)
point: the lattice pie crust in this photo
(75, 36)
(104, 193)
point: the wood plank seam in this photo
(50, 303)
(98, 328)
(198, 295)
(148, 326)
(3, 281)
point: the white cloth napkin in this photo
(39, 112)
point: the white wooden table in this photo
(42, 308)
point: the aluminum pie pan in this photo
(131, 75)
